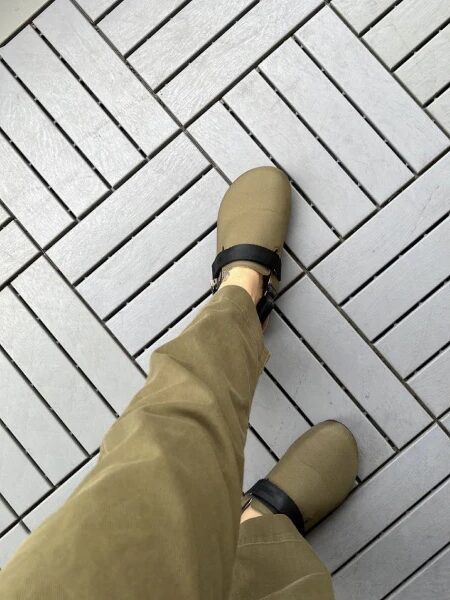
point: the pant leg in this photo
(273, 561)
(158, 517)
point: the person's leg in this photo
(159, 515)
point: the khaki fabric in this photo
(158, 517)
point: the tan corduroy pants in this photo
(158, 517)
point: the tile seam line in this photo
(435, 96)
(55, 123)
(115, 4)
(263, 441)
(376, 20)
(47, 406)
(396, 521)
(426, 362)
(420, 569)
(41, 324)
(397, 79)
(288, 397)
(12, 510)
(352, 102)
(377, 274)
(26, 23)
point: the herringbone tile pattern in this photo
(122, 123)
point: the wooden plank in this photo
(398, 225)
(258, 461)
(95, 8)
(21, 483)
(139, 198)
(399, 552)
(34, 426)
(432, 383)
(4, 216)
(339, 345)
(53, 502)
(10, 541)
(73, 400)
(311, 166)
(235, 152)
(16, 14)
(15, 250)
(79, 333)
(403, 284)
(155, 246)
(318, 395)
(274, 417)
(440, 109)
(372, 88)
(430, 582)
(360, 14)
(428, 70)
(184, 35)
(70, 105)
(106, 75)
(45, 147)
(6, 516)
(420, 334)
(232, 54)
(405, 27)
(370, 510)
(325, 109)
(132, 20)
(28, 198)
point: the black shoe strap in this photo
(278, 501)
(251, 252)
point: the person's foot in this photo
(245, 277)
(313, 477)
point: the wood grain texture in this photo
(405, 27)
(311, 166)
(232, 54)
(361, 13)
(420, 334)
(397, 554)
(353, 362)
(372, 88)
(45, 147)
(235, 152)
(138, 199)
(70, 105)
(404, 220)
(80, 334)
(63, 387)
(403, 284)
(28, 198)
(428, 70)
(106, 75)
(432, 383)
(369, 510)
(172, 45)
(15, 250)
(322, 105)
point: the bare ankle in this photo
(250, 513)
(247, 278)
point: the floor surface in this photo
(122, 124)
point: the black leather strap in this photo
(252, 252)
(278, 501)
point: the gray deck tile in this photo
(405, 27)
(353, 362)
(232, 54)
(363, 12)
(190, 29)
(319, 396)
(429, 582)
(419, 335)
(166, 236)
(399, 552)
(440, 109)
(28, 198)
(432, 383)
(311, 166)
(34, 426)
(10, 541)
(45, 147)
(144, 194)
(403, 221)
(65, 99)
(55, 378)
(106, 75)
(4, 216)
(80, 334)
(385, 497)
(372, 88)
(95, 8)
(428, 70)
(15, 250)
(235, 152)
(6, 516)
(258, 461)
(16, 14)
(403, 284)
